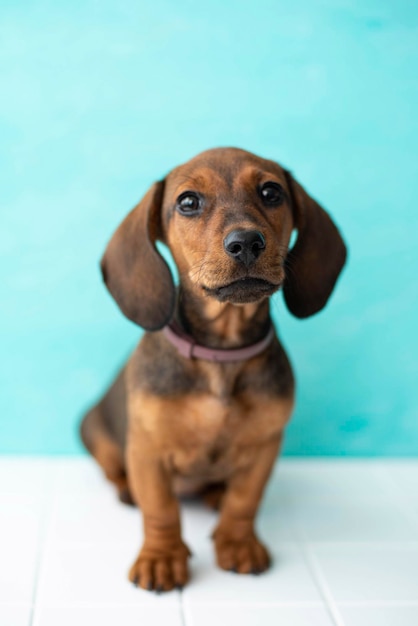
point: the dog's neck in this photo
(221, 324)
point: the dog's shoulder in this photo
(270, 374)
(157, 368)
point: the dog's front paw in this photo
(161, 570)
(244, 556)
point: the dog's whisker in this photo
(198, 268)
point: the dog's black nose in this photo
(245, 246)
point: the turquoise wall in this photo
(101, 98)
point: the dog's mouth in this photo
(243, 290)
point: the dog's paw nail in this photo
(159, 589)
(255, 571)
(135, 581)
(149, 586)
(179, 586)
(233, 569)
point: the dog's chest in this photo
(211, 437)
(207, 420)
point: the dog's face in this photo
(227, 216)
(227, 219)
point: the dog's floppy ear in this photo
(134, 272)
(317, 258)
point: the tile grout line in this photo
(40, 552)
(183, 609)
(379, 604)
(322, 585)
(317, 575)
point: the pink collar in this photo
(188, 348)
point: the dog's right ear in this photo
(134, 272)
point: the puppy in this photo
(201, 405)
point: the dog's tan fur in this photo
(171, 426)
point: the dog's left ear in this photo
(317, 258)
(134, 272)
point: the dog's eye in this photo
(188, 203)
(272, 194)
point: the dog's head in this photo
(227, 217)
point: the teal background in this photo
(98, 99)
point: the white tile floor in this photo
(344, 536)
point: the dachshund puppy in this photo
(201, 405)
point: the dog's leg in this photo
(237, 546)
(162, 561)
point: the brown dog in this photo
(212, 424)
